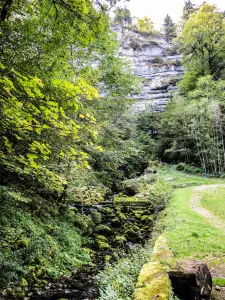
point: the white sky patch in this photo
(157, 9)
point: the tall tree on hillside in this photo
(169, 28)
(200, 118)
(123, 16)
(202, 44)
(188, 9)
(145, 24)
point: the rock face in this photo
(156, 62)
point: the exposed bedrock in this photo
(158, 64)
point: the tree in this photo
(145, 24)
(203, 42)
(52, 91)
(188, 9)
(169, 28)
(200, 119)
(122, 16)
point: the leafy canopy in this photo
(202, 44)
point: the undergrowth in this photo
(117, 281)
(36, 247)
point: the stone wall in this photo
(156, 62)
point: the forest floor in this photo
(199, 233)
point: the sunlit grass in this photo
(179, 177)
(189, 234)
(214, 201)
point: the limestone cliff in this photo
(156, 61)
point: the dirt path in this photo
(196, 206)
(218, 270)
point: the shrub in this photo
(157, 60)
(159, 195)
(131, 187)
(189, 169)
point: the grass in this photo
(178, 177)
(190, 235)
(219, 281)
(214, 201)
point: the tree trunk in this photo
(191, 280)
(5, 9)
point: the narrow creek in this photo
(116, 227)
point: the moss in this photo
(96, 217)
(23, 283)
(115, 221)
(101, 238)
(102, 245)
(137, 214)
(147, 219)
(18, 293)
(132, 231)
(120, 215)
(120, 239)
(105, 210)
(161, 250)
(23, 243)
(103, 229)
(153, 282)
(49, 229)
(108, 258)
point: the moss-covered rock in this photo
(132, 231)
(147, 219)
(23, 282)
(101, 238)
(96, 217)
(153, 282)
(102, 245)
(120, 239)
(120, 215)
(103, 229)
(115, 221)
(161, 250)
(23, 243)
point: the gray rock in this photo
(155, 61)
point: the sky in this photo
(157, 9)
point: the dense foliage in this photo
(202, 44)
(51, 109)
(66, 134)
(192, 128)
(62, 86)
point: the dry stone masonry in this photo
(156, 61)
